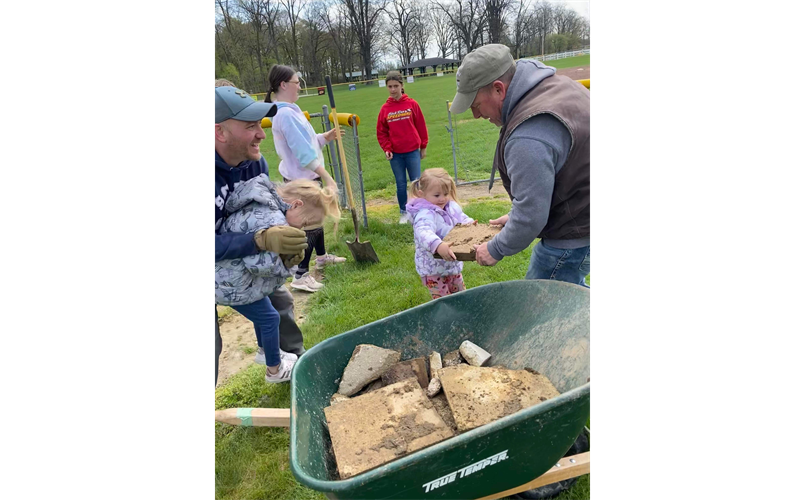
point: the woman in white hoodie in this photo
(299, 148)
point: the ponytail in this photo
(415, 188)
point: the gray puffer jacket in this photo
(253, 205)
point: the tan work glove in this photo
(281, 239)
(291, 260)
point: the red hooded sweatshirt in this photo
(401, 126)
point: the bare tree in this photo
(402, 19)
(364, 16)
(443, 32)
(422, 31)
(313, 43)
(338, 26)
(523, 28)
(543, 21)
(293, 8)
(495, 18)
(468, 18)
(254, 10)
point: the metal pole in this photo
(360, 169)
(335, 161)
(452, 142)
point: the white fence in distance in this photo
(560, 55)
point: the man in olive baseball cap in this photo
(542, 155)
(479, 68)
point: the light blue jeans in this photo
(401, 162)
(549, 263)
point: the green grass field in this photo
(253, 463)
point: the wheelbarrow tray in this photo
(539, 324)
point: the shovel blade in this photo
(362, 252)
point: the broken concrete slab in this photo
(479, 395)
(463, 238)
(474, 354)
(435, 362)
(452, 358)
(368, 362)
(443, 409)
(405, 369)
(337, 398)
(370, 430)
(434, 386)
(372, 386)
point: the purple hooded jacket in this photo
(431, 224)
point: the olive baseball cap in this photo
(479, 68)
(231, 102)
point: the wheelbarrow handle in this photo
(255, 417)
(565, 468)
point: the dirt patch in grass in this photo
(577, 73)
(466, 194)
(237, 333)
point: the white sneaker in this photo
(306, 283)
(327, 258)
(283, 372)
(260, 357)
(405, 218)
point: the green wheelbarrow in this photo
(543, 325)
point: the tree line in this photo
(341, 37)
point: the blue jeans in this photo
(266, 321)
(549, 263)
(401, 162)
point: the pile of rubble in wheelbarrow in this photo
(386, 408)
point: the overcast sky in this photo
(582, 8)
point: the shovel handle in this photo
(330, 90)
(340, 144)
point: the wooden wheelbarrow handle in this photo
(566, 468)
(255, 417)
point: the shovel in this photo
(361, 252)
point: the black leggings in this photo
(315, 239)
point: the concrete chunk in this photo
(452, 358)
(435, 364)
(368, 362)
(434, 387)
(479, 395)
(383, 425)
(338, 398)
(406, 369)
(372, 386)
(474, 355)
(435, 360)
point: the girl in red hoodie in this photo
(402, 134)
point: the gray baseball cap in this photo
(479, 68)
(231, 102)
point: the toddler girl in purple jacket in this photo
(435, 212)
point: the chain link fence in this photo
(352, 152)
(473, 142)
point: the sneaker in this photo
(306, 283)
(283, 372)
(405, 218)
(260, 357)
(328, 258)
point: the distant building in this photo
(356, 76)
